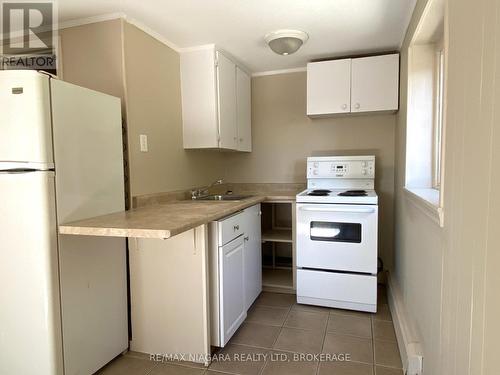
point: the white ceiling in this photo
(335, 27)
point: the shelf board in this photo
(283, 262)
(278, 235)
(278, 278)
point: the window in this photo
(438, 121)
(425, 121)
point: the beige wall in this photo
(92, 56)
(418, 243)
(283, 137)
(152, 76)
(119, 59)
(449, 276)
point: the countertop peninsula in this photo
(158, 221)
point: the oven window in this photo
(335, 232)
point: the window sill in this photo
(427, 200)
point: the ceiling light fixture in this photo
(286, 42)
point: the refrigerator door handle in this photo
(19, 170)
(6, 166)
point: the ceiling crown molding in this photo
(125, 17)
(279, 71)
(89, 20)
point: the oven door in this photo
(337, 237)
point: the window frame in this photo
(438, 125)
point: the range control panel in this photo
(341, 167)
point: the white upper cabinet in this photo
(244, 110)
(215, 101)
(329, 87)
(367, 84)
(226, 92)
(375, 83)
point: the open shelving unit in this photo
(278, 246)
(278, 235)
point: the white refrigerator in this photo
(63, 299)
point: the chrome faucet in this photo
(203, 192)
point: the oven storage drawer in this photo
(333, 289)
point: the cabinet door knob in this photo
(357, 106)
(344, 106)
(241, 139)
(236, 227)
(246, 238)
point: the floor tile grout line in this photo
(388, 368)
(221, 372)
(261, 371)
(323, 344)
(269, 306)
(301, 329)
(352, 315)
(252, 346)
(374, 369)
(386, 341)
(151, 369)
(281, 329)
(274, 343)
(294, 307)
(336, 333)
(268, 324)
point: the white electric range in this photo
(337, 230)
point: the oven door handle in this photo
(338, 209)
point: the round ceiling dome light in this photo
(286, 42)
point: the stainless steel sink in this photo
(224, 197)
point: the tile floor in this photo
(277, 328)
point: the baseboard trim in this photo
(409, 346)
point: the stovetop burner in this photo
(353, 193)
(319, 192)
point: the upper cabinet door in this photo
(243, 107)
(328, 87)
(200, 118)
(375, 83)
(226, 90)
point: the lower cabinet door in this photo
(232, 291)
(253, 254)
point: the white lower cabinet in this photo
(252, 254)
(235, 271)
(168, 294)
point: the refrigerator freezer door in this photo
(30, 328)
(88, 155)
(25, 121)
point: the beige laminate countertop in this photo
(162, 220)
